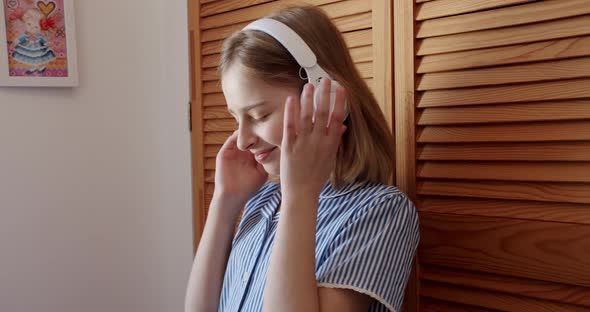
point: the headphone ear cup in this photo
(333, 88)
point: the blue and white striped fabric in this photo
(367, 235)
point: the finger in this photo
(337, 116)
(289, 122)
(306, 118)
(231, 142)
(322, 106)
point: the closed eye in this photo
(260, 119)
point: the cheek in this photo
(272, 132)
(277, 132)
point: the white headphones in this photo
(301, 52)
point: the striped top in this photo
(366, 238)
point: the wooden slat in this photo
(210, 163)
(493, 300)
(534, 132)
(210, 74)
(528, 52)
(443, 8)
(337, 9)
(214, 99)
(546, 192)
(542, 71)
(526, 287)
(433, 305)
(358, 38)
(211, 87)
(211, 47)
(526, 210)
(542, 151)
(362, 54)
(223, 32)
(217, 7)
(211, 60)
(344, 24)
(210, 176)
(540, 91)
(212, 150)
(217, 137)
(503, 17)
(345, 7)
(547, 251)
(365, 69)
(216, 112)
(352, 39)
(543, 111)
(216, 125)
(570, 27)
(353, 22)
(509, 171)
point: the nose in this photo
(246, 137)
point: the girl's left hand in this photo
(310, 141)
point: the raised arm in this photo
(237, 178)
(206, 278)
(308, 152)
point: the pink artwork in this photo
(36, 38)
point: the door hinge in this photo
(190, 116)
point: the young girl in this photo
(31, 47)
(326, 233)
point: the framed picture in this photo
(38, 43)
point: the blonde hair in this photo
(367, 151)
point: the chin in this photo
(272, 169)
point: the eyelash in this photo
(254, 120)
(263, 118)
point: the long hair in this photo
(367, 151)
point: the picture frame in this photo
(38, 43)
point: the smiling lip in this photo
(260, 157)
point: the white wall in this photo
(95, 197)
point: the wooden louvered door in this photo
(493, 102)
(366, 27)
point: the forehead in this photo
(241, 88)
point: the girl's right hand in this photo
(238, 175)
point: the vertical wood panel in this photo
(405, 177)
(196, 124)
(383, 58)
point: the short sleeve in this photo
(374, 251)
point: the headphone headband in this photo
(288, 38)
(294, 44)
(299, 49)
